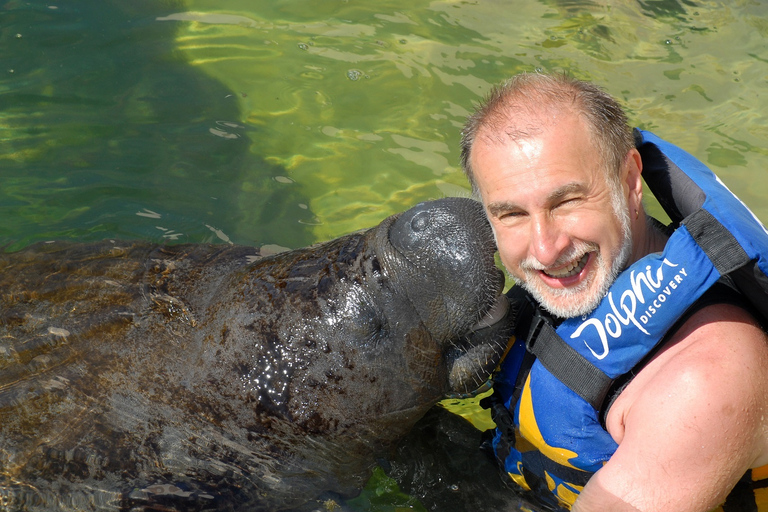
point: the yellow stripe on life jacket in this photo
(760, 486)
(529, 429)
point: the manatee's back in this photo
(94, 345)
(123, 372)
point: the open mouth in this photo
(472, 363)
(494, 315)
(569, 270)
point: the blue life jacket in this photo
(551, 388)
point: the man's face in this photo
(562, 228)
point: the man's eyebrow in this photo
(565, 190)
(497, 208)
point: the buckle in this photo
(529, 318)
(537, 322)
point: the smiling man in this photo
(554, 162)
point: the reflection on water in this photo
(283, 123)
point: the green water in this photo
(282, 123)
(277, 122)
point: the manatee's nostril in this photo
(420, 221)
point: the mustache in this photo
(575, 252)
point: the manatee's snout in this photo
(447, 247)
(453, 230)
(448, 238)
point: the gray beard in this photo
(580, 304)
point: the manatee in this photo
(193, 377)
(448, 465)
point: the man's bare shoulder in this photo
(723, 352)
(717, 342)
(721, 347)
(699, 410)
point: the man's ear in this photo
(633, 168)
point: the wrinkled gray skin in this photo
(198, 377)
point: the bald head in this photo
(528, 103)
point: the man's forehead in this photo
(502, 131)
(521, 124)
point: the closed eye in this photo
(569, 195)
(504, 212)
(509, 216)
(569, 202)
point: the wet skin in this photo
(197, 377)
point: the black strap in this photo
(567, 365)
(562, 360)
(716, 241)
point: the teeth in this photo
(571, 269)
(495, 314)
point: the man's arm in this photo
(691, 423)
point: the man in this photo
(554, 163)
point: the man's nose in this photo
(548, 240)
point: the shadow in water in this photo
(106, 131)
